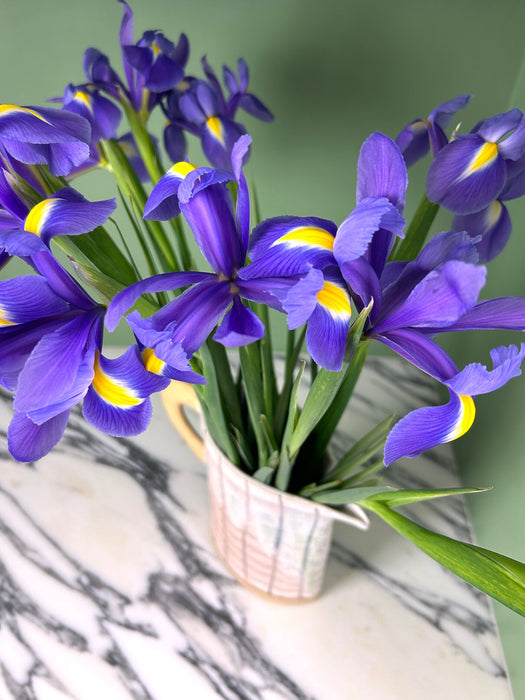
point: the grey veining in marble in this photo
(110, 587)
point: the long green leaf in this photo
(210, 398)
(284, 470)
(339, 497)
(495, 574)
(251, 374)
(324, 431)
(402, 497)
(325, 387)
(361, 451)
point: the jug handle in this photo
(178, 397)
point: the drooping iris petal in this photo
(289, 245)
(117, 402)
(240, 326)
(466, 175)
(494, 226)
(67, 212)
(381, 171)
(44, 135)
(439, 299)
(26, 298)
(428, 427)
(52, 370)
(28, 442)
(18, 341)
(324, 303)
(102, 114)
(476, 379)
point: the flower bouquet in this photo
(342, 286)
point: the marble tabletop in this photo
(110, 588)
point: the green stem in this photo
(149, 155)
(409, 247)
(129, 183)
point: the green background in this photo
(332, 72)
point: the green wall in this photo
(333, 72)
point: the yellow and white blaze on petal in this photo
(111, 391)
(84, 98)
(151, 362)
(483, 157)
(335, 300)
(181, 169)
(306, 236)
(493, 213)
(13, 109)
(214, 126)
(465, 419)
(4, 318)
(39, 215)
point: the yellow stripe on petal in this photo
(151, 362)
(110, 391)
(493, 213)
(484, 157)
(10, 109)
(38, 215)
(335, 300)
(81, 96)
(214, 125)
(466, 418)
(307, 236)
(4, 318)
(181, 169)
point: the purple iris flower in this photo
(102, 114)
(324, 254)
(213, 299)
(152, 66)
(51, 341)
(201, 107)
(422, 135)
(492, 225)
(411, 302)
(472, 170)
(43, 135)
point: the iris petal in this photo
(28, 442)
(428, 427)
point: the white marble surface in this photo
(110, 588)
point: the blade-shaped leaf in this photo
(211, 403)
(284, 470)
(361, 451)
(495, 574)
(345, 496)
(403, 497)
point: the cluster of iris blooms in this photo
(405, 291)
